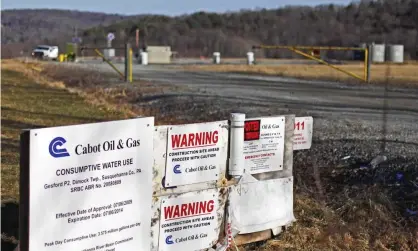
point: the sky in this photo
(165, 7)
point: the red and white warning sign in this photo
(302, 136)
(195, 153)
(189, 221)
(264, 144)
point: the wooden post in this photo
(127, 61)
(368, 57)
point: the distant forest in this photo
(232, 34)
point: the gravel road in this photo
(350, 120)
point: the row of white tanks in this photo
(380, 53)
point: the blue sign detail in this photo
(168, 240)
(176, 169)
(55, 148)
(76, 40)
(110, 36)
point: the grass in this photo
(31, 101)
(399, 74)
(27, 104)
(346, 217)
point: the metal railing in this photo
(298, 50)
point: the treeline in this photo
(23, 29)
(233, 34)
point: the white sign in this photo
(254, 204)
(264, 144)
(195, 153)
(302, 136)
(91, 186)
(189, 221)
(110, 36)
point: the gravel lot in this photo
(340, 110)
(261, 95)
(349, 120)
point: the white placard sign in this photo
(91, 186)
(302, 136)
(251, 204)
(195, 153)
(189, 221)
(264, 144)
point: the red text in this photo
(188, 209)
(300, 126)
(194, 139)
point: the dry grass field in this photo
(28, 100)
(27, 103)
(400, 74)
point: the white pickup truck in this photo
(45, 52)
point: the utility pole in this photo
(137, 39)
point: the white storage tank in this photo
(158, 54)
(250, 58)
(216, 57)
(109, 53)
(395, 53)
(144, 58)
(378, 53)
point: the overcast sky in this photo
(167, 7)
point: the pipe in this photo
(137, 38)
(236, 157)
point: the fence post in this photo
(236, 156)
(368, 57)
(130, 65)
(127, 61)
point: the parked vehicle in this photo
(46, 52)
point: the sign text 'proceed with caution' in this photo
(189, 221)
(91, 186)
(264, 144)
(195, 153)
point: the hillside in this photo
(24, 28)
(233, 34)
(389, 21)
